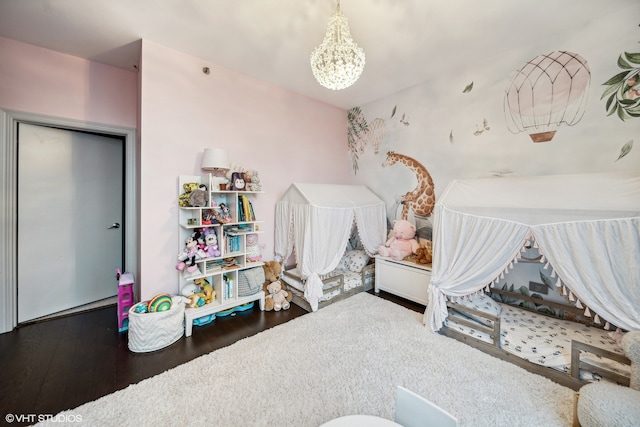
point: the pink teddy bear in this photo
(402, 243)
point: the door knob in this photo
(114, 225)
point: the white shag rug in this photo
(344, 359)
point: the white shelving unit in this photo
(220, 271)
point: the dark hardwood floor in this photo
(62, 363)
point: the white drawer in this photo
(402, 279)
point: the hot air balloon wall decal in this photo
(548, 91)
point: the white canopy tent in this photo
(316, 220)
(586, 226)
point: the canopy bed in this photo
(586, 228)
(314, 223)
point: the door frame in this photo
(9, 208)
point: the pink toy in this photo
(189, 255)
(402, 242)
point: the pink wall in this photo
(286, 137)
(41, 81)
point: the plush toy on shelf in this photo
(225, 215)
(192, 295)
(189, 255)
(199, 197)
(207, 290)
(183, 199)
(211, 242)
(402, 242)
(253, 181)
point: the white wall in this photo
(284, 136)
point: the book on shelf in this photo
(245, 209)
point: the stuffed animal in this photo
(402, 243)
(277, 298)
(183, 199)
(253, 180)
(199, 197)
(193, 298)
(211, 242)
(224, 215)
(272, 270)
(207, 290)
(189, 255)
(423, 254)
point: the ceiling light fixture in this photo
(338, 62)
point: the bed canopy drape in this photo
(316, 221)
(585, 226)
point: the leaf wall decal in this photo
(634, 58)
(616, 79)
(626, 148)
(468, 88)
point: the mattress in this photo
(546, 341)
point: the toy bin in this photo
(154, 331)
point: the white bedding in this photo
(351, 280)
(547, 341)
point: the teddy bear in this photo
(401, 243)
(423, 254)
(183, 199)
(272, 270)
(277, 297)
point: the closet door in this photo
(70, 195)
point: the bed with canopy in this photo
(586, 227)
(315, 222)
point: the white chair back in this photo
(413, 410)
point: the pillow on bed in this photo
(481, 302)
(354, 260)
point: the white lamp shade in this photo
(214, 159)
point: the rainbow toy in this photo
(161, 302)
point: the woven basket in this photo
(153, 331)
(250, 281)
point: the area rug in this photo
(344, 359)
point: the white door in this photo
(70, 218)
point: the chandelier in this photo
(338, 61)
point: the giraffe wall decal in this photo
(423, 198)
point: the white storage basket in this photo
(153, 331)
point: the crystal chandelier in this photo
(338, 61)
